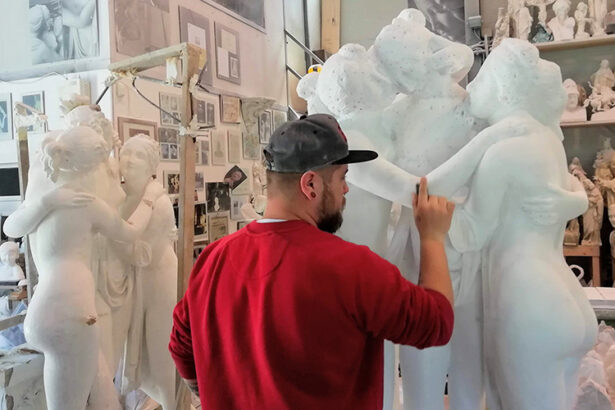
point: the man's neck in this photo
(288, 212)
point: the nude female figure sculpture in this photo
(147, 362)
(532, 358)
(61, 320)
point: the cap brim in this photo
(357, 156)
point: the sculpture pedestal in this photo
(589, 251)
(21, 381)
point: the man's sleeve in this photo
(386, 305)
(180, 345)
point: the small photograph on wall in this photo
(227, 49)
(264, 127)
(202, 144)
(200, 111)
(141, 26)
(236, 203)
(129, 127)
(199, 181)
(234, 146)
(279, 118)
(230, 109)
(169, 143)
(199, 247)
(171, 182)
(218, 146)
(218, 227)
(169, 103)
(242, 224)
(200, 222)
(218, 197)
(235, 177)
(194, 28)
(6, 117)
(62, 30)
(211, 115)
(36, 101)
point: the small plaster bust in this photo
(562, 25)
(9, 270)
(580, 15)
(573, 111)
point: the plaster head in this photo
(9, 252)
(139, 157)
(605, 64)
(77, 150)
(561, 8)
(572, 92)
(514, 77)
(39, 17)
(349, 83)
(413, 57)
(582, 8)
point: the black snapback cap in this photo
(309, 143)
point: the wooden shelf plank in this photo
(573, 44)
(587, 124)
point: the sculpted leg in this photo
(424, 376)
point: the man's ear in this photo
(310, 185)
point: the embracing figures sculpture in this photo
(429, 129)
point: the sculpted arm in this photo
(110, 224)
(474, 222)
(81, 20)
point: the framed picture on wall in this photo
(202, 148)
(6, 117)
(235, 177)
(198, 248)
(169, 143)
(200, 111)
(242, 224)
(194, 28)
(251, 146)
(228, 63)
(218, 147)
(279, 118)
(37, 101)
(234, 146)
(218, 197)
(264, 127)
(169, 103)
(141, 26)
(230, 109)
(200, 222)
(236, 203)
(129, 127)
(218, 227)
(211, 115)
(251, 12)
(170, 181)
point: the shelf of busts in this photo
(577, 43)
(610, 123)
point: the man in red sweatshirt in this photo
(285, 315)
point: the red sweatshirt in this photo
(285, 316)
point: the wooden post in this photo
(23, 159)
(330, 31)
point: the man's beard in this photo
(329, 221)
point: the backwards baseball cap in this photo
(309, 143)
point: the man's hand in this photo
(432, 214)
(67, 198)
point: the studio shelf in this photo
(574, 44)
(587, 124)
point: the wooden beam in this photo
(330, 32)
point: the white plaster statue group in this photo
(107, 268)
(497, 150)
(517, 21)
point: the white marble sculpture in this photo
(528, 365)
(524, 23)
(598, 12)
(502, 27)
(152, 265)
(580, 15)
(602, 98)
(10, 271)
(562, 25)
(412, 134)
(62, 318)
(573, 112)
